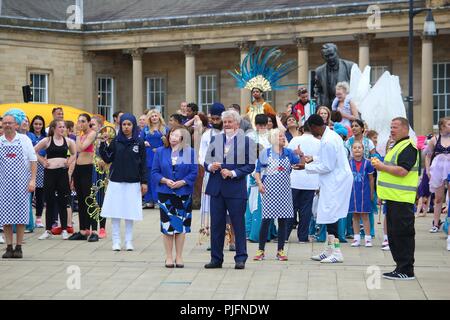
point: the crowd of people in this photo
(312, 169)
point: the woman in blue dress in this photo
(362, 193)
(153, 135)
(36, 134)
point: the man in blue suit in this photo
(230, 158)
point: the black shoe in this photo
(77, 236)
(17, 253)
(239, 265)
(213, 265)
(9, 254)
(93, 237)
(395, 275)
(169, 265)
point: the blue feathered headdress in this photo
(261, 69)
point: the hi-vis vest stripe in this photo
(394, 188)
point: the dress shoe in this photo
(213, 265)
(9, 253)
(169, 265)
(93, 237)
(179, 265)
(78, 236)
(239, 265)
(17, 254)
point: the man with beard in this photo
(216, 124)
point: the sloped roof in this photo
(115, 15)
(115, 10)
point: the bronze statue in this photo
(329, 74)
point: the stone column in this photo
(426, 108)
(190, 80)
(138, 106)
(244, 47)
(303, 60)
(364, 49)
(89, 84)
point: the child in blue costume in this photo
(362, 193)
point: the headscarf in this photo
(135, 133)
(216, 109)
(340, 129)
(18, 115)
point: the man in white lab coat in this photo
(335, 182)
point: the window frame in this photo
(47, 74)
(438, 95)
(163, 107)
(199, 90)
(113, 96)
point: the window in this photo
(269, 97)
(156, 94)
(39, 87)
(441, 91)
(105, 104)
(376, 72)
(207, 92)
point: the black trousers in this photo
(82, 178)
(332, 229)
(401, 234)
(39, 196)
(56, 180)
(265, 224)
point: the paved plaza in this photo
(50, 270)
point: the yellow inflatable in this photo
(45, 110)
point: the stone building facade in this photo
(141, 56)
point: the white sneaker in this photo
(65, 235)
(324, 254)
(2, 241)
(46, 235)
(448, 244)
(434, 229)
(355, 243)
(129, 246)
(385, 246)
(116, 247)
(336, 257)
(369, 243)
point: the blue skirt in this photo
(175, 213)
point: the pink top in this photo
(90, 148)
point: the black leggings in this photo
(39, 197)
(56, 180)
(82, 178)
(265, 224)
(332, 229)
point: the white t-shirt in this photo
(28, 148)
(310, 147)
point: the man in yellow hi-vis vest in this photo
(397, 185)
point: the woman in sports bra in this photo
(437, 162)
(56, 177)
(82, 177)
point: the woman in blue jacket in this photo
(127, 181)
(174, 170)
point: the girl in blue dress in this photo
(362, 193)
(153, 135)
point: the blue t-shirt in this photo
(263, 159)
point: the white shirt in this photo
(310, 146)
(28, 149)
(204, 144)
(335, 178)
